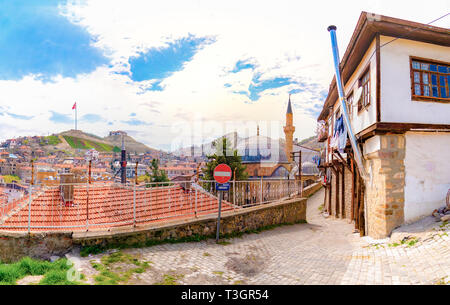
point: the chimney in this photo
(67, 188)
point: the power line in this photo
(415, 29)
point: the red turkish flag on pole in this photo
(74, 107)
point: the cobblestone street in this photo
(324, 251)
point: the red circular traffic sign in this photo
(222, 173)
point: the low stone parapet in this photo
(14, 246)
(312, 189)
(237, 221)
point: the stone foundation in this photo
(334, 192)
(384, 192)
(348, 177)
(342, 208)
(14, 246)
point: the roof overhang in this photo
(368, 26)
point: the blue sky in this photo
(19, 116)
(59, 118)
(160, 63)
(260, 83)
(135, 122)
(145, 67)
(242, 65)
(36, 39)
(93, 118)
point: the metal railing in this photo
(254, 192)
(84, 206)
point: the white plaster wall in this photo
(427, 173)
(372, 144)
(396, 102)
(366, 117)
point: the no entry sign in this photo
(222, 173)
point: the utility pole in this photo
(123, 163)
(299, 166)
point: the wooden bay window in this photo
(430, 80)
(364, 82)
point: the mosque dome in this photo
(262, 149)
(309, 168)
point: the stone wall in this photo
(344, 209)
(334, 193)
(312, 189)
(242, 220)
(348, 194)
(14, 246)
(384, 193)
(344, 200)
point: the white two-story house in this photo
(396, 76)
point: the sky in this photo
(172, 72)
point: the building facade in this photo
(269, 158)
(396, 76)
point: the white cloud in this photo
(284, 38)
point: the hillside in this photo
(76, 139)
(79, 143)
(311, 143)
(73, 140)
(131, 144)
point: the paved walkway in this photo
(324, 251)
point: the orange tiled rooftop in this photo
(109, 206)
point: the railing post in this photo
(29, 207)
(289, 188)
(280, 189)
(234, 193)
(261, 190)
(195, 202)
(134, 205)
(87, 206)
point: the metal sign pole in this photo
(222, 174)
(218, 218)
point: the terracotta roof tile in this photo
(111, 206)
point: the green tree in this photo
(11, 178)
(225, 154)
(156, 175)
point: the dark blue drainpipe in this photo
(340, 87)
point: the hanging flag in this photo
(74, 106)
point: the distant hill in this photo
(311, 143)
(208, 148)
(80, 143)
(77, 139)
(232, 137)
(131, 144)
(73, 140)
